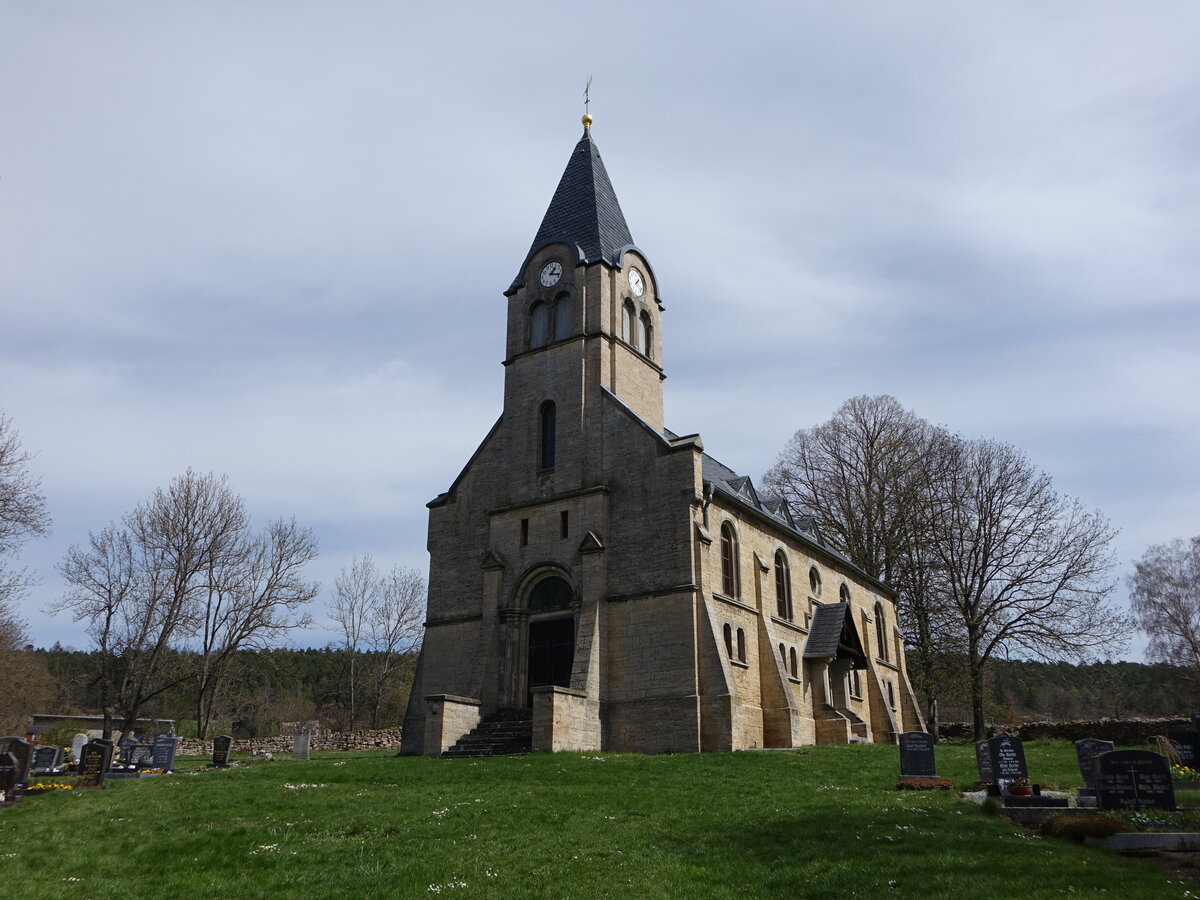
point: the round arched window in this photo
(551, 593)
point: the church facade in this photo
(608, 584)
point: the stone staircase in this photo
(507, 732)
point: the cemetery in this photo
(814, 817)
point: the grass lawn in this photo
(819, 822)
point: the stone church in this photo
(598, 582)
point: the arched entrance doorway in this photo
(551, 634)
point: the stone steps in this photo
(505, 733)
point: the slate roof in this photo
(584, 212)
(825, 631)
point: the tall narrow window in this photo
(783, 586)
(563, 318)
(563, 529)
(782, 654)
(844, 593)
(741, 645)
(795, 668)
(643, 343)
(729, 640)
(539, 326)
(814, 581)
(524, 532)
(548, 425)
(729, 561)
(628, 319)
(881, 631)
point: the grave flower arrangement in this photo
(1184, 773)
(50, 786)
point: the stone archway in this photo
(550, 639)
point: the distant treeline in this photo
(266, 688)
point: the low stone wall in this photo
(1119, 731)
(385, 739)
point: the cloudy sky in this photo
(270, 239)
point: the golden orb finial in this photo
(587, 121)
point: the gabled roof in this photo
(584, 212)
(831, 634)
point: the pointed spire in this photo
(584, 212)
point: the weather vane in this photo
(586, 99)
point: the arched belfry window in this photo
(783, 586)
(881, 631)
(539, 325)
(844, 593)
(563, 318)
(548, 425)
(643, 342)
(628, 322)
(814, 581)
(551, 593)
(729, 562)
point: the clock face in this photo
(551, 272)
(635, 283)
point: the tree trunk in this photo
(975, 673)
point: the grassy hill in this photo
(819, 822)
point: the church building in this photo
(598, 582)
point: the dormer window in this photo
(539, 325)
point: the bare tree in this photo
(864, 476)
(355, 595)
(394, 626)
(255, 593)
(1026, 570)
(1165, 595)
(182, 565)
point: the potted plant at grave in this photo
(1020, 787)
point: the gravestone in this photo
(221, 747)
(983, 759)
(1187, 743)
(93, 763)
(164, 751)
(23, 751)
(77, 743)
(1134, 779)
(1086, 752)
(46, 760)
(141, 756)
(126, 746)
(916, 755)
(1008, 761)
(301, 743)
(107, 746)
(8, 777)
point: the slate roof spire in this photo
(584, 211)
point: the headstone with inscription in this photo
(221, 747)
(1008, 760)
(108, 748)
(47, 760)
(8, 777)
(164, 751)
(983, 759)
(141, 756)
(1187, 745)
(916, 755)
(77, 743)
(1134, 779)
(93, 763)
(1086, 752)
(301, 743)
(125, 749)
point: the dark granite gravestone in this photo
(141, 756)
(1008, 759)
(46, 760)
(301, 743)
(916, 755)
(125, 748)
(164, 751)
(23, 751)
(221, 747)
(93, 763)
(1134, 779)
(983, 759)
(1187, 744)
(107, 746)
(1086, 752)
(8, 777)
